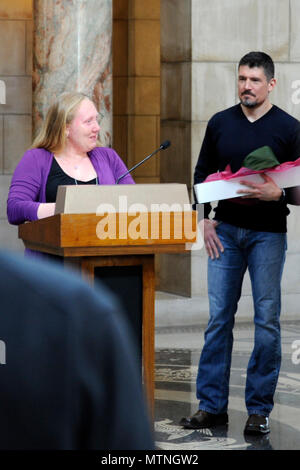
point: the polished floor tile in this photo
(177, 356)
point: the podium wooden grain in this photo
(74, 237)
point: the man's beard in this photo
(248, 103)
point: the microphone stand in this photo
(163, 146)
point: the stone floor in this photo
(177, 356)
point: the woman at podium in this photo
(66, 151)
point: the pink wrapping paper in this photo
(228, 175)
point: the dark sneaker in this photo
(257, 424)
(202, 419)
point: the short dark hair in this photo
(259, 59)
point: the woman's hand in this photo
(46, 209)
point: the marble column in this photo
(72, 51)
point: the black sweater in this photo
(229, 138)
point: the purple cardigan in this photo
(28, 185)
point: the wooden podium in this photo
(118, 248)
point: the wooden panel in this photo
(89, 230)
(88, 266)
(149, 329)
(43, 232)
(105, 250)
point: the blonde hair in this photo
(52, 134)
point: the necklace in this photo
(77, 165)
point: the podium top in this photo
(131, 198)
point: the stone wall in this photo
(136, 77)
(15, 114)
(176, 123)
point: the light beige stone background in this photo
(72, 52)
(202, 43)
(15, 115)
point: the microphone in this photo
(162, 146)
(165, 145)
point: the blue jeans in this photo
(263, 253)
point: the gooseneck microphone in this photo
(162, 146)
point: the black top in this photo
(57, 177)
(229, 138)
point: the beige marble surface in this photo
(72, 51)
